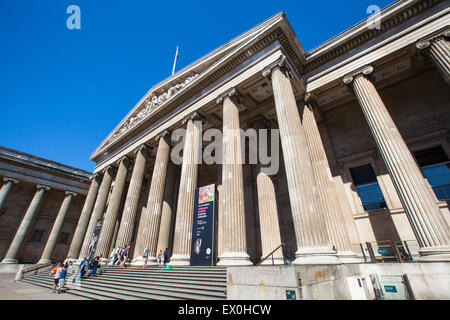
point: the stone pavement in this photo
(16, 290)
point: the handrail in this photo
(270, 254)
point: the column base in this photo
(180, 260)
(277, 261)
(348, 257)
(9, 261)
(139, 261)
(317, 255)
(44, 261)
(434, 254)
(234, 259)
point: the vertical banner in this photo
(94, 240)
(203, 227)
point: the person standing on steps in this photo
(166, 256)
(159, 257)
(125, 256)
(56, 275)
(145, 257)
(62, 277)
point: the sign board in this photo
(383, 251)
(94, 239)
(202, 245)
(392, 289)
(290, 295)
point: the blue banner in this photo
(202, 247)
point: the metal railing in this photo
(270, 254)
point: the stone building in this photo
(364, 154)
(40, 203)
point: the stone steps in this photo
(146, 283)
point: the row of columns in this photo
(19, 237)
(319, 222)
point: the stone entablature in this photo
(26, 167)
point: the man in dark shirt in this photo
(166, 256)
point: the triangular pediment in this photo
(169, 89)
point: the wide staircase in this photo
(134, 283)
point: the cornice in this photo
(391, 16)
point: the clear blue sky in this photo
(62, 91)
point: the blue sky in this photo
(62, 91)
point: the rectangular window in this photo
(435, 166)
(37, 235)
(64, 238)
(368, 188)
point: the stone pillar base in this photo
(140, 261)
(434, 254)
(44, 261)
(234, 259)
(348, 257)
(180, 260)
(315, 256)
(277, 261)
(10, 261)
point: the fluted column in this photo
(51, 241)
(234, 247)
(7, 185)
(268, 220)
(16, 244)
(112, 210)
(132, 200)
(155, 198)
(429, 226)
(188, 183)
(334, 216)
(437, 48)
(83, 221)
(167, 211)
(97, 212)
(312, 238)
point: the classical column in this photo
(188, 183)
(267, 205)
(429, 226)
(312, 238)
(51, 241)
(437, 48)
(97, 212)
(83, 221)
(334, 216)
(167, 212)
(16, 244)
(7, 185)
(234, 246)
(112, 210)
(155, 197)
(132, 200)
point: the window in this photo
(367, 187)
(64, 238)
(37, 235)
(435, 166)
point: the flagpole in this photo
(175, 61)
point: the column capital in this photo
(365, 71)
(125, 160)
(146, 150)
(6, 179)
(164, 134)
(425, 42)
(40, 186)
(231, 94)
(283, 64)
(70, 193)
(95, 176)
(192, 116)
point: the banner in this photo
(202, 247)
(94, 240)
